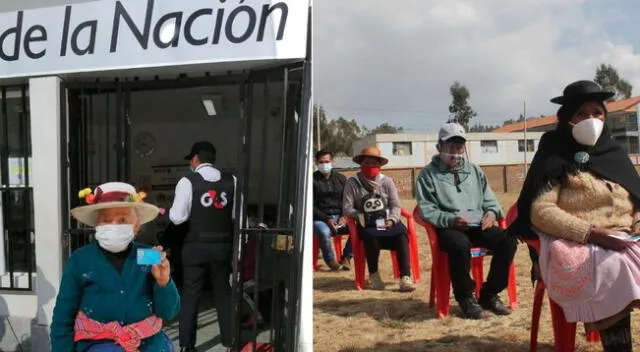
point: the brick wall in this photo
(502, 178)
(403, 178)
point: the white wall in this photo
(45, 108)
(507, 153)
(417, 157)
(424, 148)
(47, 197)
(18, 304)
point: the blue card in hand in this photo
(149, 256)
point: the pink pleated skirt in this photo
(589, 282)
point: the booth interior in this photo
(142, 136)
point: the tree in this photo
(482, 128)
(385, 128)
(338, 135)
(343, 133)
(461, 111)
(608, 78)
(512, 121)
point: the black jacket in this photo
(327, 195)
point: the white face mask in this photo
(114, 238)
(325, 168)
(587, 132)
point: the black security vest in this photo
(211, 217)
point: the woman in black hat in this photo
(581, 198)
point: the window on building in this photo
(634, 147)
(17, 254)
(622, 122)
(402, 149)
(530, 146)
(489, 146)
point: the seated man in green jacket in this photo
(454, 196)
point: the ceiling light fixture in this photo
(212, 104)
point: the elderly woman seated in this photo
(371, 198)
(107, 301)
(582, 199)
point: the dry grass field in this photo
(348, 320)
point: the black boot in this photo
(618, 336)
(492, 303)
(188, 349)
(470, 308)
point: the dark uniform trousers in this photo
(197, 258)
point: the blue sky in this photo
(394, 62)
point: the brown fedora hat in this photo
(370, 152)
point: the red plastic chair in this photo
(360, 259)
(440, 279)
(564, 333)
(337, 243)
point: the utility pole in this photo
(317, 113)
(526, 143)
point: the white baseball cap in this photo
(451, 130)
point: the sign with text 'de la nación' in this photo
(108, 35)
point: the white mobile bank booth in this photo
(96, 91)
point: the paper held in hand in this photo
(468, 217)
(625, 236)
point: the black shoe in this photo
(346, 264)
(493, 304)
(188, 349)
(470, 308)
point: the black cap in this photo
(201, 147)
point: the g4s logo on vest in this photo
(211, 198)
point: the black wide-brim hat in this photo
(582, 91)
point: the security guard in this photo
(206, 199)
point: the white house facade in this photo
(416, 150)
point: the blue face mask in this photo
(325, 168)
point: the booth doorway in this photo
(138, 132)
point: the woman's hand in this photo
(604, 238)
(389, 224)
(161, 272)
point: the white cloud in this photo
(392, 60)
(454, 13)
